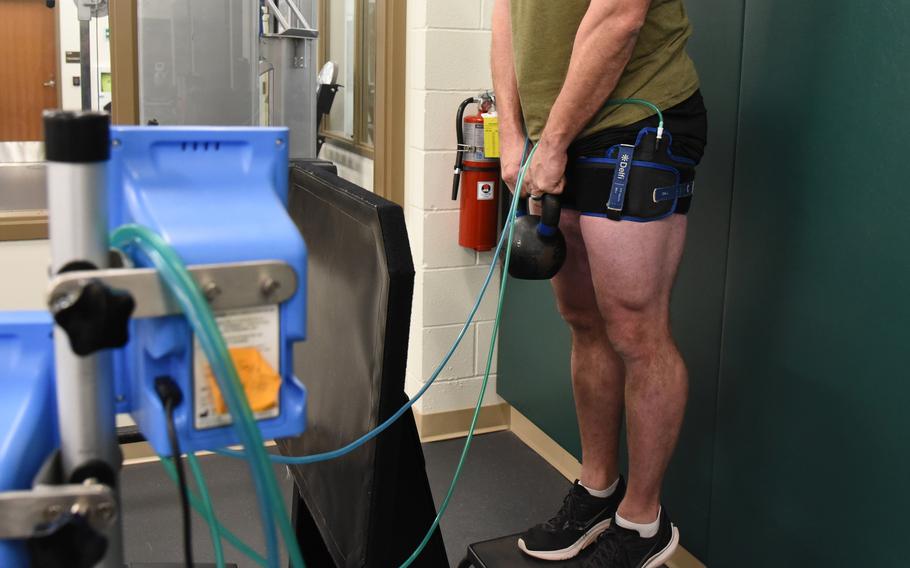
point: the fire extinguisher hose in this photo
(459, 147)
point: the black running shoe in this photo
(577, 524)
(619, 547)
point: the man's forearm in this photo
(602, 49)
(508, 105)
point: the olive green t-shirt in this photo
(660, 71)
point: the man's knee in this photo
(636, 332)
(582, 320)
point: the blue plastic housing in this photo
(28, 411)
(216, 195)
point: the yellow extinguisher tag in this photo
(491, 135)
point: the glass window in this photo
(349, 39)
(368, 79)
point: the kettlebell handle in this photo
(549, 217)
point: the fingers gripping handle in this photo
(549, 218)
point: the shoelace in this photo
(566, 512)
(609, 550)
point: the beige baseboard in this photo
(566, 464)
(142, 452)
(682, 559)
(23, 225)
(545, 446)
(455, 424)
(432, 428)
(139, 452)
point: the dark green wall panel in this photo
(534, 346)
(697, 308)
(808, 421)
(533, 362)
(812, 456)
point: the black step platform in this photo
(174, 565)
(503, 552)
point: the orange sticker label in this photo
(260, 381)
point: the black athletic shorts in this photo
(687, 123)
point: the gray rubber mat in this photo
(505, 488)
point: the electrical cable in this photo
(170, 397)
(209, 509)
(229, 536)
(169, 269)
(184, 498)
(199, 315)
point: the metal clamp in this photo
(226, 286)
(44, 509)
(302, 31)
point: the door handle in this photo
(50, 83)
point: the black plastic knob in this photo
(73, 545)
(76, 137)
(98, 318)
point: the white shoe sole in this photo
(661, 558)
(571, 551)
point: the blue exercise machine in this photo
(216, 197)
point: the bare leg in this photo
(633, 266)
(597, 371)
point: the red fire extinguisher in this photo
(478, 178)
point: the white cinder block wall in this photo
(448, 60)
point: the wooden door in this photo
(28, 67)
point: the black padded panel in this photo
(360, 285)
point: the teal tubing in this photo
(209, 509)
(198, 313)
(641, 102)
(373, 433)
(486, 373)
(344, 450)
(202, 509)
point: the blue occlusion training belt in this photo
(641, 182)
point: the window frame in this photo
(358, 144)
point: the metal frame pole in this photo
(77, 149)
(85, 62)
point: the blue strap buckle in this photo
(621, 177)
(672, 192)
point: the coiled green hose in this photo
(209, 509)
(198, 313)
(510, 224)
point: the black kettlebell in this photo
(538, 246)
